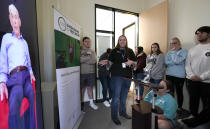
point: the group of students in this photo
(120, 64)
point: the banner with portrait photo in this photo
(67, 52)
(19, 54)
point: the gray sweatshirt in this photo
(87, 60)
(157, 70)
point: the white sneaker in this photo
(189, 117)
(93, 106)
(180, 122)
(106, 103)
(110, 100)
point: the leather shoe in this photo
(126, 116)
(117, 122)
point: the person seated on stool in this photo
(167, 103)
(16, 75)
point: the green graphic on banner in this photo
(67, 50)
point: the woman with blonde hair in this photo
(175, 69)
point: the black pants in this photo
(196, 91)
(178, 86)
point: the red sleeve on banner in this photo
(4, 113)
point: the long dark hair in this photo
(118, 44)
(158, 50)
(139, 50)
(126, 46)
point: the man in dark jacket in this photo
(104, 76)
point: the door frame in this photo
(110, 32)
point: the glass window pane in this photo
(103, 42)
(104, 19)
(122, 20)
(130, 33)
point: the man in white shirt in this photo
(198, 70)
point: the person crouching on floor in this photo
(167, 103)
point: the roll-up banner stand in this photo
(67, 52)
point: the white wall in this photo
(150, 3)
(80, 11)
(185, 16)
(46, 40)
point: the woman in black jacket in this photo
(123, 60)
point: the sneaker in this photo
(126, 116)
(192, 122)
(180, 122)
(110, 100)
(189, 117)
(106, 103)
(93, 106)
(182, 113)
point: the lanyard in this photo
(123, 54)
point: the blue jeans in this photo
(120, 88)
(105, 82)
(155, 81)
(141, 88)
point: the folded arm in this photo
(179, 57)
(92, 59)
